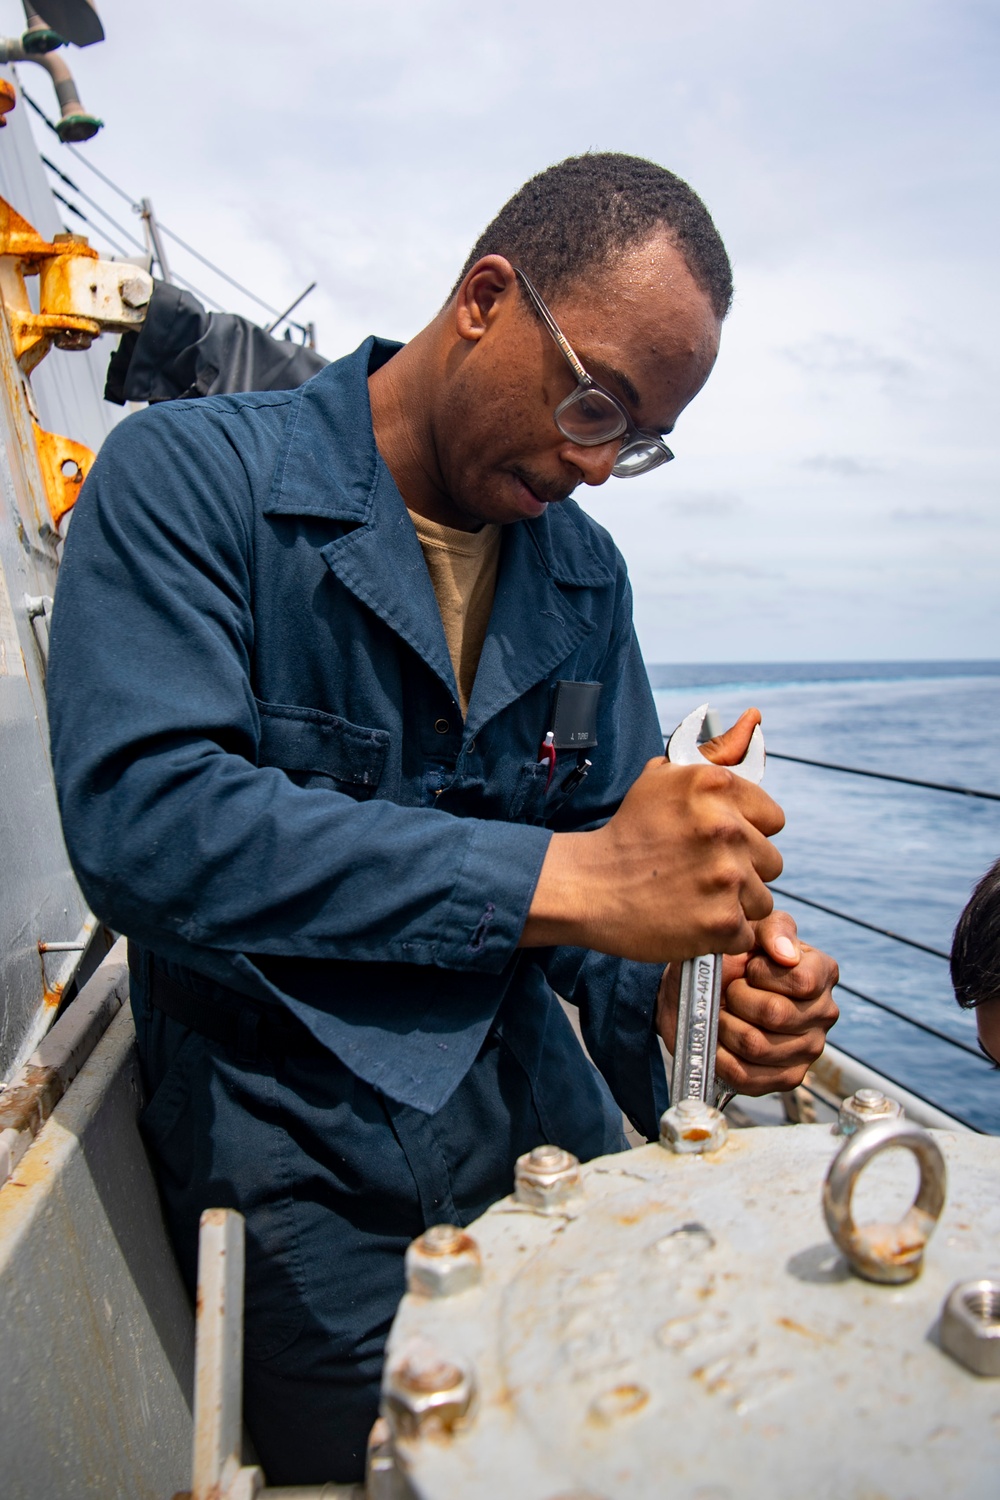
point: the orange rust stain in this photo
(64, 465)
(463, 1244)
(894, 1248)
(632, 1396)
(696, 1135)
(33, 333)
(807, 1333)
(620, 1401)
(27, 1105)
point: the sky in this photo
(835, 489)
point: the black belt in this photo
(236, 1022)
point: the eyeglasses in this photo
(590, 415)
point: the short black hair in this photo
(975, 948)
(586, 210)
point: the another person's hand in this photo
(680, 869)
(777, 1007)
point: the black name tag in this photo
(574, 715)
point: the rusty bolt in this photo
(864, 1106)
(546, 1177)
(381, 1474)
(970, 1325)
(72, 338)
(135, 291)
(426, 1392)
(692, 1125)
(442, 1261)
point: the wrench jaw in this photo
(683, 748)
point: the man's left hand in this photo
(777, 1007)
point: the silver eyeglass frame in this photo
(634, 439)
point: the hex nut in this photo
(864, 1106)
(546, 1178)
(690, 1125)
(425, 1392)
(442, 1261)
(970, 1325)
(135, 291)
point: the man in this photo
(354, 741)
(975, 961)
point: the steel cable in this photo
(844, 916)
(900, 1015)
(931, 786)
(218, 271)
(89, 222)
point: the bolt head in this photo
(970, 1325)
(692, 1126)
(425, 1392)
(442, 1261)
(546, 1178)
(864, 1106)
(135, 291)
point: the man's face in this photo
(643, 329)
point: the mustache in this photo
(541, 490)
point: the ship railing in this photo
(853, 1063)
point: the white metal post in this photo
(218, 1366)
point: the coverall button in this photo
(441, 725)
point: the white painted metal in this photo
(687, 1329)
(39, 899)
(840, 1075)
(217, 1469)
(68, 386)
(96, 1331)
(33, 1093)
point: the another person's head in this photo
(975, 960)
(627, 260)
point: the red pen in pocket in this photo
(547, 755)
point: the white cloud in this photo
(850, 156)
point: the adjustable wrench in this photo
(700, 1000)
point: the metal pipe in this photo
(154, 237)
(76, 124)
(842, 1074)
(291, 308)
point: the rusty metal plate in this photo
(688, 1329)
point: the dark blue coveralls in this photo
(267, 784)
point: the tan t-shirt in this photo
(463, 569)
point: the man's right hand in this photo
(679, 870)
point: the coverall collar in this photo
(329, 466)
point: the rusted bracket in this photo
(65, 464)
(79, 295)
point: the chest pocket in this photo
(316, 749)
(535, 800)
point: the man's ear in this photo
(485, 288)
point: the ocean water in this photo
(897, 856)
